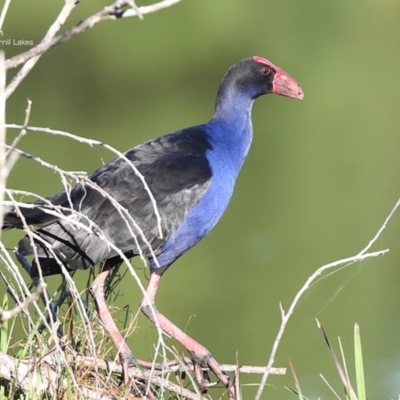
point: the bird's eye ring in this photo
(265, 71)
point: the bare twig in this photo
(3, 14)
(107, 13)
(90, 142)
(54, 28)
(5, 315)
(381, 229)
(12, 158)
(287, 315)
(14, 296)
(25, 368)
(361, 256)
(46, 379)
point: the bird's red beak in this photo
(285, 85)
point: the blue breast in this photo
(230, 144)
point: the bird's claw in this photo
(203, 377)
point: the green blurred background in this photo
(320, 179)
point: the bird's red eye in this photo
(265, 71)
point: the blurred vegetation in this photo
(319, 181)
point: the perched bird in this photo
(190, 176)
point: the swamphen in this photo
(191, 174)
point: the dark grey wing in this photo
(177, 173)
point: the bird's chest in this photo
(225, 158)
(213, 204)
(200, 219)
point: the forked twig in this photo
(361, 256)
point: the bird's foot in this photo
(201, 365)
(128, 360)
(203, 379)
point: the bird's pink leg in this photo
(200, 355)
(97, 291)
(126, 356)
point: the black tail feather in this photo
(38, 216)
(48, 266)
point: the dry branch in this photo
(43, 372)
(54, 28)
(111, 12)
(39, 378)
(3, 14)
(5, 315)
(116, 10)
(78, 176)
(286, 315)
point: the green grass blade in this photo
(359, 364)
(4, 327)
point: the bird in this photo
(157, 200)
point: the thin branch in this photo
(381, 229)
(362, 255)
(287, 315)
(5, 315)
(3, 15)
(54, 28)
(92, 142)
(14, 296)
(13, 157)
(47, 380)
(25, 368)
(107, 13)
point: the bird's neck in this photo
(232, 105)
(232, 129)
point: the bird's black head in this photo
(257, 76)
